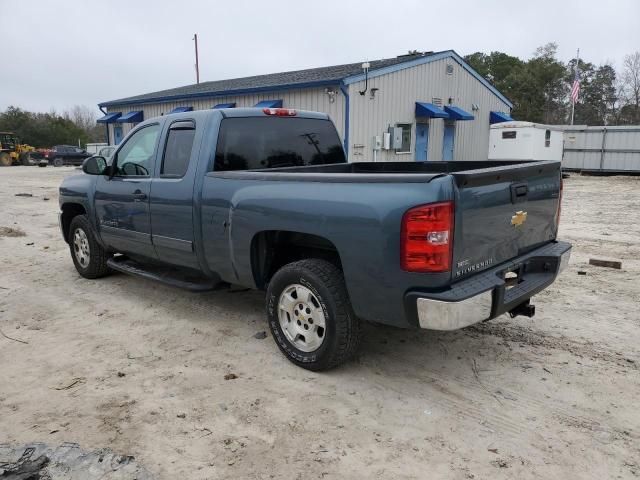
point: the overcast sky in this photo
(57, 54)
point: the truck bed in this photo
(465, 173)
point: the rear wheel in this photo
(89, 258)
(310, 316)
(5, 159)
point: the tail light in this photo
(426, 243)
(280, 112)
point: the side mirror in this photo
(95, 165)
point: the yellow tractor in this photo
(12, 151)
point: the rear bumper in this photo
(485, 295)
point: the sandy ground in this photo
(140, 368)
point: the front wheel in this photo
(58, 162)
(89, 258)
(310, 316)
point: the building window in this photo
(509, 134)
(547, 138)
(406, 138)
(449, 69)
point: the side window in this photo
(547, 138)
(177, 150)
(406, 138)
(135, 158)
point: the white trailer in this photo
(525, 141)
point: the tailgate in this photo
(503, 212)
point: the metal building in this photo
(426, 106)
(602, 149)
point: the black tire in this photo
(58, 162)
(96, 266)
(343, 330)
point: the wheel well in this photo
(273, 249)
(70, 210)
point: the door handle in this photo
(138, 195)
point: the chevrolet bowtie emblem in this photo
(519, 218)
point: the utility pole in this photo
(195, 39)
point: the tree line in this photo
(44, 130)
(540, 87)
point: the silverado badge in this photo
(519, 218)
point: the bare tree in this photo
(83, 116)
(631, 85)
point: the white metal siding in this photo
(315, 99)
(394, 102)
(602, 148)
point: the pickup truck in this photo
(66, 155)
(264, 198)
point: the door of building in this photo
(448, 141)
(422, 141)
(117, 134)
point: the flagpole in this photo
(575, 68)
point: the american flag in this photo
(575, 88)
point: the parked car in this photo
(267, 200)
(66, 155)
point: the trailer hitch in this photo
(525, 309)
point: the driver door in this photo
(122, 201)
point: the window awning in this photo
(497, 117)
(131, 117)
(225, 105)
(181, 109)
(109, 117)
(430, 110)
(269, 104)
(456, 113)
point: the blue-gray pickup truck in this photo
(264, 198)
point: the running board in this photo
(184, 279)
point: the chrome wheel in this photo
(81, 248)
(301, 318)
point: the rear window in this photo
(271, 142)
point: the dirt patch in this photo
(11, 232)
(140, 368)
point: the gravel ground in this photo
(139, 368)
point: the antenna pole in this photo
(195, 39)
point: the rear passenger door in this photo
(171, 199)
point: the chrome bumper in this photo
(434, 314)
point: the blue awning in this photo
(456, 113)
(225, 105)
(131, 117)
(497, 117)
(430, 110)
(269, 104)
(109, 117)
(181, 109)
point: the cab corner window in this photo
(177, 151)
(135, 158)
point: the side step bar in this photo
(185, 279)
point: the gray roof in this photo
(297, 78)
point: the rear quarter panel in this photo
(361, 219)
